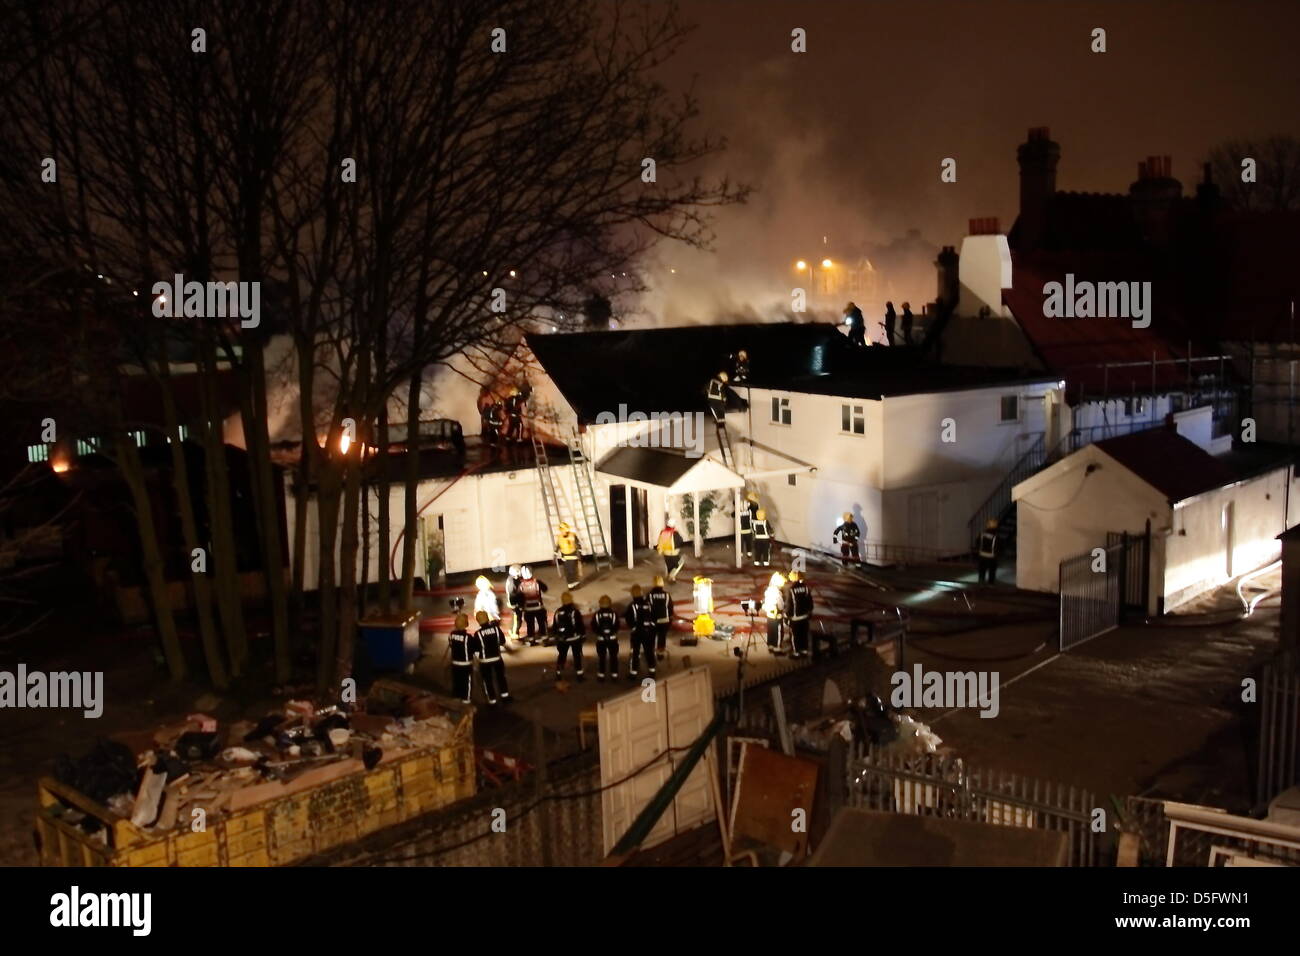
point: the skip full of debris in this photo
(200, 765)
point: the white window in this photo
(1136, 407)
(1010, 408)
(139, 438)
(87, 446)
(853, 419)
(38, 452)
(780, 411)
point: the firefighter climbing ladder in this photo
(590, 514)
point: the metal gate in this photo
(939, 785)
(1099, 586)
(1279, 727)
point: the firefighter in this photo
(670, 546)
(856, 323)
(762, 539)
(988, 551)
(495, 422)
(798, 609)
(740, 368)
(515, 598)
(491, 668)
(640, 620)
(661, 607)
(531, 590)
(747, 509)
(486, 599)
(604, 623)
(570, 552)
(717, 397)
(464, 648)
(515, 416)
(569, 634)
(846, 535)
(773, 609)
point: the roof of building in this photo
(882, 375)
(667, 469)
(668, 369)
(1173, 465)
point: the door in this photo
(923, 520)
(618, 521)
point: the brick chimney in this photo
(1038, 157)
(949, 283)
(1155, 195)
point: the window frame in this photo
(856, 415)
(1002, 400)
(781, 413)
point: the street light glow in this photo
(826, 263)
(801, 265)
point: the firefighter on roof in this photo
(534, 610)
(988, 552)
(773, 609)
(670, 546)
(570, 552)
(740, 368)
(846, 535)
(661, 607)
(798, 609)
(762, 539)
(605, 625)
(491, 668)
(464, 648)
(640, 620)
(569, 634)
(485, 599)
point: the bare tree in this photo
(1275, 186)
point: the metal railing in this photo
(1000, 499)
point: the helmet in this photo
(991, 524)
(742, 354)
(850, 307)
(723, 376)
(796, 576)
(481, 617)
(462, 621)
(778, 580)
(482, 583)
(605, 601)
(848, 516)
(659, 580)
(564, 526)
(526, 572)
(636, 590)
(514, 570)
(752, 496)
(671, 522)
(566, 598)
(760, 514)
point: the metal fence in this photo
(1279, 728)
(1097, 589)
(939, 785)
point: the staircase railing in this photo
(996, 503)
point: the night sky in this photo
(845, 140)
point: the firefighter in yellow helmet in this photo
(491, 668)
(661, 607)
(798, 611)
(669, 545)
(774, 611)
(762, 539)
(988, 552)
(570, 552)
(605, 625)
(747, 509)
(485, 599)
(464, 649)
(846, 536)
(717, 397)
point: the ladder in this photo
(724, 445)
(582, 479)
(550, 501)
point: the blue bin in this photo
(392, 643)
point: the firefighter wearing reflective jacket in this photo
(988, 552)
(670, 546)
(495, 422)
(531, 590)
(569, 634)
(661, 609)
(798, 610)
(747, 509)
(640, 620)
(762, 539)
(604, 623)
(515, 598)
(514, 409)
(846, 535)
(570, 552)
(491, 668)
(717, 397)
(464, 648)
(773, 610)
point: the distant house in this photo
(1210, 519)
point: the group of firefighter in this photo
(502, 419)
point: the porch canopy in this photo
(673, 473)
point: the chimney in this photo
(1207, 192)
(946, 264)
(1154, 198)
(1038, 157)
(986, 226)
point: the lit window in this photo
(853, 419)
(87, 446)
(185, 432)
(38, 452)
(139, 438)
(780, 411)
(1010, 408)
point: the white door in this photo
(923, 520)
(690, 709)
(632, 732)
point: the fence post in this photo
(1060, 623)
(1123, 577)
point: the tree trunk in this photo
(154, 568)
(384, 546)
(412, 517)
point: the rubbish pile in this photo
(199, 765)
(869, 720)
